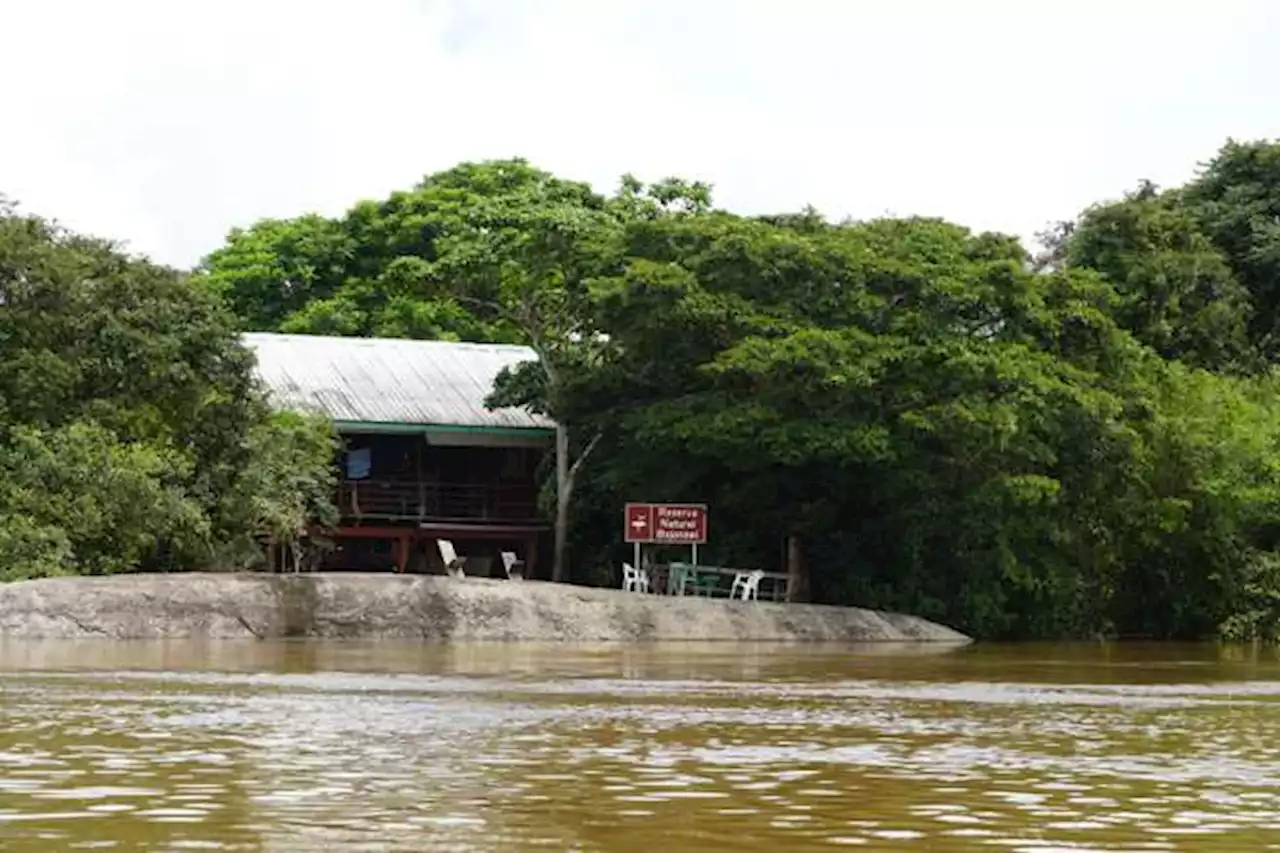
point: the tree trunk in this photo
(564, 493)
(566, 477)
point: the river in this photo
(302, 746)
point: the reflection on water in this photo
(310, 746)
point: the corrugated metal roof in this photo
(390, 381)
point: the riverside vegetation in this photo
(132, 436)
(1080, 441)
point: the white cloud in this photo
(164, 124)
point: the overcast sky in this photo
(165, 123)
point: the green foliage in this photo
(118, 503)
(132, 434)
(889, 378)
(288, 488)
(1198, 266)
(32, 550)
(1236, 199)
(497, 251)
(1084, 442)
(953, 434)
(276, 268)
(1178, 293)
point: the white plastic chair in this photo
(453, 564)
(513, 565)
(633, 579)
(749, 583)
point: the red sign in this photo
(671, 523)
(680, 523)
(639, 526)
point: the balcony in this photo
(407, 500)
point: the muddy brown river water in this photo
(301, 746)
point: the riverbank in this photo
(363, 606)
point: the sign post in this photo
(665, 524)
(639, 526)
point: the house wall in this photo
(410, 457)
(482, 498)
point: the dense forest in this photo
(1078, 441)
(132, 436)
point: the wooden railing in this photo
(401, 500)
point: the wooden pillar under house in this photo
(402, 552)
(530, 555)
(797, 588)
(422, 486)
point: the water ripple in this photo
(167, 759)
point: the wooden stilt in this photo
(402, 552)
(530, 556)
(797, 588)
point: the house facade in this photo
(422, 457)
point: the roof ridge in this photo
(362, 339)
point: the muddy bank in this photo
(237, 606)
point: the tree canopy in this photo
(132, 434)
(1078, 443)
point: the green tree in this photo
(1202, 553)
(132, 430)
(494, 251)
(287, 491)
(273, 269)
(1197, 265)
(1077, 443)
(899, 377)
(1236, 199)
(119, 505)
(524, 256)
(1178, 294)
(952, 433)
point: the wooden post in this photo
(797, 589)
(402, 552)
(422, 489)
(530, 555)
